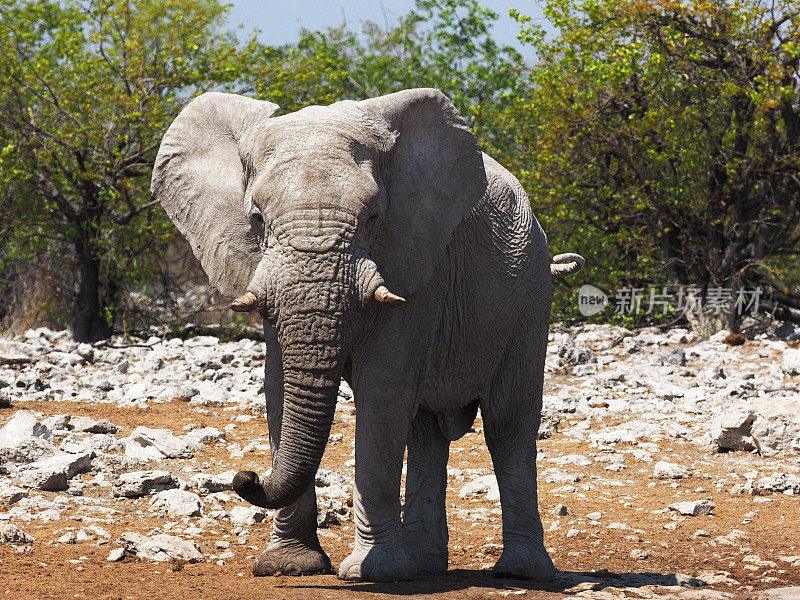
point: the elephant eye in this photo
(256, 219)
(373, 215)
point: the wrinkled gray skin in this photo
(312, 212)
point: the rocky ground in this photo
(669, 468)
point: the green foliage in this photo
(666, 138)
(87, 88)
(446, 45)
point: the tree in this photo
(667, 139)
(87, 88)
(441, 44)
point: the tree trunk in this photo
(88, 322)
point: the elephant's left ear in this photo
(434, 177)
(200, 179)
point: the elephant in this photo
(382, 247)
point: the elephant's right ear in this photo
(199, 178)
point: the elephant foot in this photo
(431, 559)
(378, 563)
(429, 562)
(521, 561)
(291, 558)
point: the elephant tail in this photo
(566, 264)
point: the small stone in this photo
(561, 510)
(197, 437)
(90, 425)
(54, 472)
(594, 516)
(178, 503)
(572, 533)
(244, 516)
(209, 484)
(116, 555)
(11, 534)
(701, 533)
(639, 554)
(673, 356)
(730, 430)
(161, 547)
(67, 538)
(142, 483)
(668, 470)
(156, 444)
(11, 494)
(693, 508)
(486, 484)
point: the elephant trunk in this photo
(311, 330)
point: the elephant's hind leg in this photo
(424, 520)
(511, 418)
(294, 547)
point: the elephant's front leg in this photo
(294, 547)
(382, 421)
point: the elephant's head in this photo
(310, 217)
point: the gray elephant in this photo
(380, 246)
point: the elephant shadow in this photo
(462, 579)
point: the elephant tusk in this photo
(384, 296)
(244, 303)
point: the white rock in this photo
(197, 437)
(54, 472)
(23, 439)
(571, 459)
(779, 482)
(730, 430)
(67, 538)
(244, 516)
(11, 534)
(333, 484)
(156, 444)
(97, 442)
(161, 547)
(776, 428)
(668, 470)
(486, 484)
(10, 494)
(770, 425)
(90, 425)
(141, 483)
(639, 554)
(57, 422)
(178, 503)
(594, 516)
(693, 508)
(209, 484)
(331, 511)
(791, 361)
(116, 555)
(345, 394)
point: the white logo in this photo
(591, 300)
